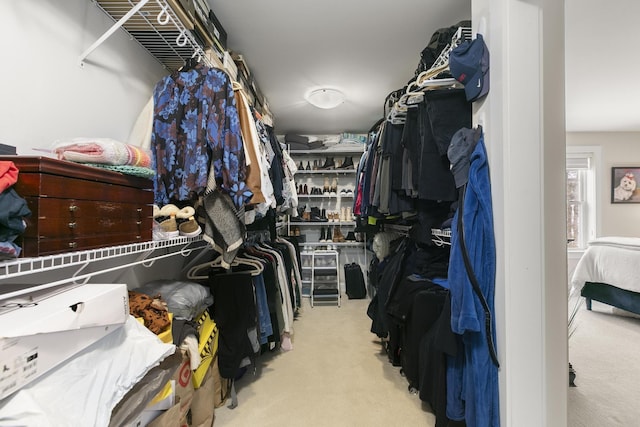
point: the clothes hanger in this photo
(191, 62)
(245, 259)
(195, 272)
(427, 79)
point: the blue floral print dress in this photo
(196, 130)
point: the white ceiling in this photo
(602, 65)
(369, 48)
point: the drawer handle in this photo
(139, 210)
(72, 225)
(73, 208)
(73, 244)
(138, 222)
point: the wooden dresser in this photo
(76, 207)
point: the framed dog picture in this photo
(623, 184)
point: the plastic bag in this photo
(186, 300)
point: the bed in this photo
(609, 272)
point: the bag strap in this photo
(473, 279)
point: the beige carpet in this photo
(336, 375)
(605, 352)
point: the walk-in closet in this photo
(280, 214)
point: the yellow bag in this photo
(207, 346)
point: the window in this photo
(581, 196)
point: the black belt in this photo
(474, 280)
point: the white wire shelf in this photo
(326, 171)
(22, 266)
(156, 26)
(322, 196)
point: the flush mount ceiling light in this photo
(325, 98)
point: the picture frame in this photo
(624, 188)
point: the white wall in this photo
(618, 149)
(46, 95)
(523, 118)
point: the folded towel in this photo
(102, 151)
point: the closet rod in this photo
(112, 30)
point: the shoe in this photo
(316, 215)
(343, 214)
(301, 166)
(185, 213)
(333, 190)
(323, 237)
(316, 165)
(347, 164)
(326, 186)
(305, 189)
(308, 166)
(190, 228)
(337, 235)
(170, 227)
(351, 237)
(168, 210)
(343, 192)
(328, 164)
(347, 214)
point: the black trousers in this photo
(234, 312)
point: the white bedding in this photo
(611, 260)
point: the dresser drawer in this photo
(77, 207)
(53, 218)
(44, 246)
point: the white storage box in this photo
(36, 337)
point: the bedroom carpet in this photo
(604, 350)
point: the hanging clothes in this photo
(195, 131)
(234, 312)
(472, 377)
(249, 140)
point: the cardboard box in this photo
(38, 335)
(219, 30)
(230, 66)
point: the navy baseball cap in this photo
(469, 64)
